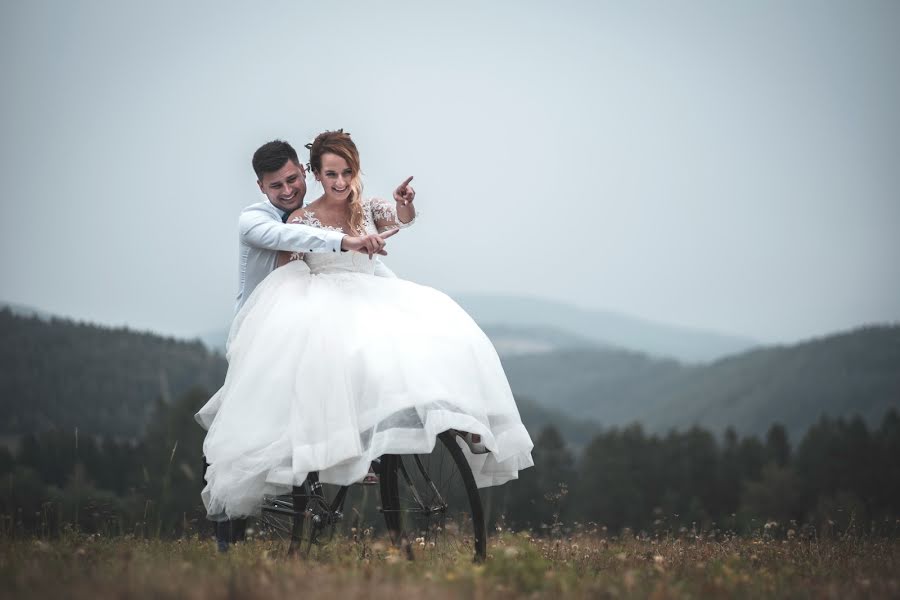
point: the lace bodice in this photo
(380, 215)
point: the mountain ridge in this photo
(608, 328)
(843, 374)
(59, 373)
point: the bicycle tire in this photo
(432, 500)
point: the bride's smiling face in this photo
(336, 177)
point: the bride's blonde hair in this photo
(340, 144)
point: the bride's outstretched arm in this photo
(387, 215)
(392, 218)
(404, 196)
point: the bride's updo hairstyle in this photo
(340, 144)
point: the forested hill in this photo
(61, 374)
(851, 373)
(57, 374)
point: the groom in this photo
(263, 233)
(282, 179)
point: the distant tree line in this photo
(59, 374)
(147, 487)
(841, 475)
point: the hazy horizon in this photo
(730, 168)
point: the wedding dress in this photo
(331, 367)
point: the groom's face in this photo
(286, 187)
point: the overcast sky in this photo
(733, 166)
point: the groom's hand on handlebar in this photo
(367, 244)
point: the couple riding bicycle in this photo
(336, 364)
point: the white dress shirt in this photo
(262, 235)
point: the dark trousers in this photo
(229, 532)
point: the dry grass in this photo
(587, 564)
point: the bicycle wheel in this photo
(306, 517)
(432, 500)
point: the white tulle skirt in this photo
(330, 371)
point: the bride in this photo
(331, 367)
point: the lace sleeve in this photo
(297, 218)
(384, 215)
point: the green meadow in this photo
(772, 563)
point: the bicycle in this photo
(429, 499)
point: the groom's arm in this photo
(260, 229)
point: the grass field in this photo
(583, 565)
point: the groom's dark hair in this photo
(272, 156)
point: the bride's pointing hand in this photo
(405, 194)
